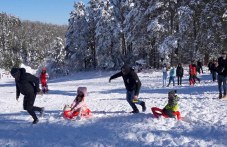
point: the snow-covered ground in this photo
(205, 116)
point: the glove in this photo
(135, 99)
(17, 97)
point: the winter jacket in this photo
(27, 84)
(172, 72)
(199, 64)
(131, 80)
(180, 71)
(172, 106)
(164, 69)
(43, 78)
(222, 69)
(192, 69)
(213, 67)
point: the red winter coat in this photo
(192, 69)
(43, 78)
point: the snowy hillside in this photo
(205, 116)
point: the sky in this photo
(48, 11)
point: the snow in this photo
(205, 117)
(28, 69)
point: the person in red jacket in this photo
(192, 73)
(43, 79)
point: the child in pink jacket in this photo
(79, 106)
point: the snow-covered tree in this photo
(77, 37)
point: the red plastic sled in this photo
(68, 114)
(158, 112)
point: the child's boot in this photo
(143, 106)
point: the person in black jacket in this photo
(199, 66)
(28, 85)
(222, 73)
(180, 73)
(132, 84)
(213, 69)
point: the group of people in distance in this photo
(179, 73)
(28, 85)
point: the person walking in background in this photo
(132, 84)
(192, 73)
(213, 70)
(222, 73)
(164, 74)
(199, 66)
(172, 75)
(28, 85)
(209, 65)
(180, 73)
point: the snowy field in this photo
(205, 116)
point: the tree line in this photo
(104, 34)
(31, 43)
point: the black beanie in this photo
(14, 70)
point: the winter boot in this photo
(143, 106)
(135, 111)
(35, 121)
(220, 95)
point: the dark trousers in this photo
(222, 84)
(28, 103)
(214, 75)
(179, 80)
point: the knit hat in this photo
(14, 70)
(82, 90)
(172, 93)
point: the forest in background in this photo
(104, 34)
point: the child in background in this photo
(43, 78)
(171, 109)
(79, 106)
(192, 73)
(164, 74)
(172, 75)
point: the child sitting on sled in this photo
(171, 109)
(79, 106)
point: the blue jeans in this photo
(222, 79)
(171, 79)
(164, 77)
(129, 96)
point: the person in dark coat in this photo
(180, 73)
(199, 66)
(213, 70)
(132, 84)
(28, 85)
(222, 73)
(209, 65)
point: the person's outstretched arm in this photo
(115, 76)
